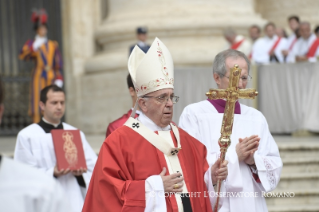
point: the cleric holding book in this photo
(149, 164)
(35, 147)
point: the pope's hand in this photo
(58, 173)
(172, 183)
(79, 172)
(219, 173)
(246, 148)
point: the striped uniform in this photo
(48, 67)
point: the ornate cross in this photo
(231, 94)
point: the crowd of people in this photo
(276, 46)
(146, 162)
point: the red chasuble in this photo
(126, 160)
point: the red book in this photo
(68, 149)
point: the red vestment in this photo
(126, 160)
(118, 123)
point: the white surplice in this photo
(291, 41)
(35, 147)
(202, 121)
(244, 47)
(26, 189)
(262, 47)
(301, 48)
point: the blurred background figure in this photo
(236, 42)
(141, 33)
(254, 34)
(317, 31)
(48, 62)
(281, 32)
(293, 22)
(306, 47)
(121, 121)
(269, 48)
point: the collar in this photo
(37, 37)
(55, 125)
(150, 124)
(47, 126)
(220, 104)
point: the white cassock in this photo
(262, 47)
(202, 121)
(26, 189)
(301, 48)
(245, 45)
(35, 147)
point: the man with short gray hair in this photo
(254, 163)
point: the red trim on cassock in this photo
(275, 45)
(236, 45)
(313, 48)
(255, 176)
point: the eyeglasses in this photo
(243, 78)
(165, 99)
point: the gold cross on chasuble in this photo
(231, 94)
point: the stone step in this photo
(294, 208)
(291, 181)
(299, 196)
(300, 165)
(298, 154)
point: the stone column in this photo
(79, 21)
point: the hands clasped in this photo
(246, 148)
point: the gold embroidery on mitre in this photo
(160, 81)
(70, 150)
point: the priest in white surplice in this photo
(253, 156)
(269, 48)
(35, 147)
(237, 42)
(293, 22)
(306, 47)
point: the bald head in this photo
(305, 30)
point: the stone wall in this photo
(96, 49)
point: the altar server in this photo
(35, 147)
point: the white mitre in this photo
(152, 71)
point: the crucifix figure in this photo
(231, 95)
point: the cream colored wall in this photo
(278, 11)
